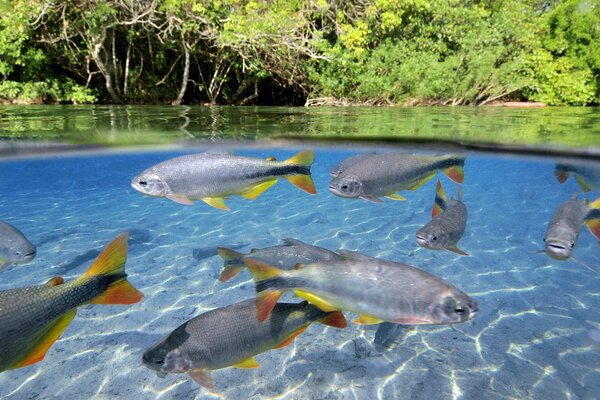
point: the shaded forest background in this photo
(406, 52)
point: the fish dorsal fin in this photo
(202, 378)
(49, 335)
(291, 338)
(216, 202)
(395, 196)
(255, 191)
(365, 319)
(440, 202)
(421, 182)
(354, 255)
(57, 280)
(582, 183)
(316, 300)
(293, 242)
(180, 199)
(248, 363)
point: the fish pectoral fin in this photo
(582, 183)
(202, 378)
(395, 196)
(216, 202)
(457, 174)
(255, 191)
(46, 339)
(303, 182)
(370, 198)
(365, 319)
(456, 250)
(248, 363)
(421, 182)
(181, 199)
(291, 338)
(316, 300)
(411, 321)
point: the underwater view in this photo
(298, 270)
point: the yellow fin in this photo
(43, 344)
(111, 260)
(316, 300)
(216, 202)
(395, 196)
(582, 183)
(367, 320)
(305, 157)
(595, 203)
(303, 182)
(119, 292)
(255, 191)
(293, 336)
(421, 182)
(248, 363)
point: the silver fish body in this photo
(14, 246)
(228, 336)
(564, 229)
(379, 289)
(382, 175)
(348, 162)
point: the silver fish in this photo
(14, 246)
(285, 257)
(565, 226)
(348, 162)
(448, 223)
(383, 175)
(231, 336)
(212, 177)
(376, 289)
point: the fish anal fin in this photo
(582, 183)
(40, 349)
(216, 202)
(292, 337)
(120, 292)
(265, 303)
(456, 250)
(372, 199)
(229, 272)
(180, 199)
(395, 196)
(335, 319)
(421, 182)
(367, 320)
(255, 191)
(303, 182)
(561, 176)
(248, 363)
(316, 300)
(202, 377)
(457, 174)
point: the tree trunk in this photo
(186, 75)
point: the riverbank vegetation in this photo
(409, 52)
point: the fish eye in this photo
(434, 238)
(344, 187)
(459, 310)
(572, 244)
(143, 183)
(544, 240)
(159, 362)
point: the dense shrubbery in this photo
(288, 51)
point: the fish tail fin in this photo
(302, 179)
(593, 218)
(304, 182)
(234, 263)
(335, 319)
(111, 263)
(303, 158)
(267, 293)
(439, 204)
(456, 173)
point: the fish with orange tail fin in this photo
(565, 227)
(213, 177)
(448, 223)
(230, 337)
(383, 175)
(33, 318)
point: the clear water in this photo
(537, 334)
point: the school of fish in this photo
(390, 293)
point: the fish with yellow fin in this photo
(587, 175)
(383, 175)
(213, 177)
(377, 290)
(230, 337)
(33, 318)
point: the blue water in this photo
(537, 334)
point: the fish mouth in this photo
(422, 241)
(557, 251)
(30, 256)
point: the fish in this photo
(348, 162)
(449, 219)
(565, 227)
(377, 290)
(14, 246)
(33, 318)
(230, 337)
(587, 176)
(213, 177)
(383, 175)
(284, 257)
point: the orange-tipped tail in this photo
(457, 174)
(303, 182)
(335, 319)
